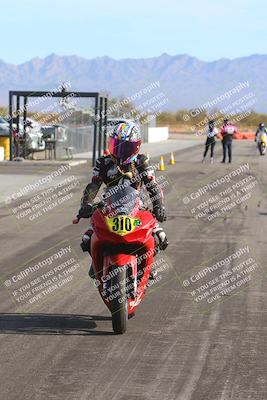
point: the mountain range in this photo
(186, 81)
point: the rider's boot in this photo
(160, 237)
(91, 272)
(86, 239)
(161, 243)
(85, 245)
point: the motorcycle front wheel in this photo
(119, 304)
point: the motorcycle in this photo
(263, 144)
(122, 250)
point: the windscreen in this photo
(121, 199)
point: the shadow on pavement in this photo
(52, 324)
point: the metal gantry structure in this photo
(99, 118)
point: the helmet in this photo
(124, 143)
(261, 125)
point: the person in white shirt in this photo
(212, 132)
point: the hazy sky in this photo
(207, 29)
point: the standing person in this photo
(212, 132)
(227, 132)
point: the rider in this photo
(260, 131)
(124, 160)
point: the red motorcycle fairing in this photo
(137, 245)
(140, 234)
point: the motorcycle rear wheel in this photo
(119, 305)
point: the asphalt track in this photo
(62, 347)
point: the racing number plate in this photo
(122, 224)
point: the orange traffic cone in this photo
(162, 165)
(172, 160)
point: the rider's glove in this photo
(85, 211)
(160, 213)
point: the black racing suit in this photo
(140, 173)
(105, 171)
